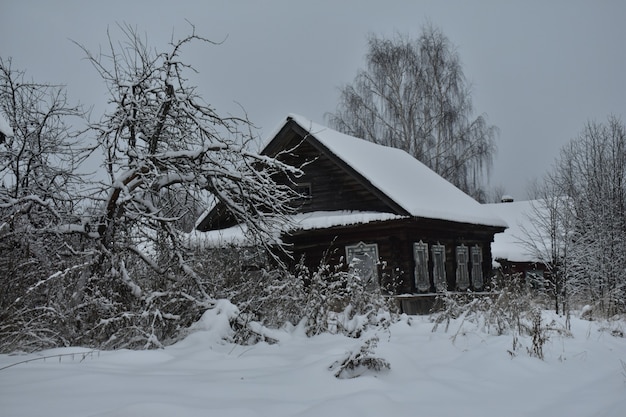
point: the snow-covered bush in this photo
(509, 309)
(267, 296)
(327, 299)
(497, 312)
(360, 361)
(338, 301)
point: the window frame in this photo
(363, 251)
(422, 276)
(462, 267)
(439, 267)
(476, 253)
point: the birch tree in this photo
(413, 95)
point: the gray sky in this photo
(539, 69)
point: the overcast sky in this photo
(539, 69)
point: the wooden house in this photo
(377, 210)
(523, 248)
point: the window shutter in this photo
(439, 267)
(362, 260)
(420, 254)
(462, 271)
(477, 267)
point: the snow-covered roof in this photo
(237, 235)
(409, 183)
(5, 127)
(511, 244)
(326, 219)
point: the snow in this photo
(509, 244)
(5, 127)
(431, 375)
(404, 179)
(211, 202)
(236, 235)
(327, 219)
(216, 321)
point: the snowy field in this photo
(431, 375)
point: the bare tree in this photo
(109, 263)
(38, 196)
(166, 150)
(547, 237)
(41, 157)
(579, 223)
(414, 96)
(592, 171)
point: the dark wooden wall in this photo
(332, 188)
(395, 247)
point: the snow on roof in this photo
(326, 219)
(5, 127)
(404, 179)
(211, 202)
(236, 235)
(510, 244)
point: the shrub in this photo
(360, 361)
(508, 309)
(325, 299)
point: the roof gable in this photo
(404, 183)
(338, 185)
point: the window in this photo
(462, 271)
(439, 267)
(535, 279)
(420, 254)
(304, 195)
(304, 190)
(477, 266)
(363, 262)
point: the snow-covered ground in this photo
(431, 375)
